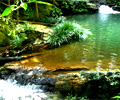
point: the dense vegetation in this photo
(62, 33)
(18, 35)
(116, 2)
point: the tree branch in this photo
(4, 3)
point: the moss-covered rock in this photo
(93, 85)
(43, 11)
(92, 7)
(70, 83)
(4, 38)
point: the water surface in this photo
(101, 50)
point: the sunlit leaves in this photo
(8, 10)
(31, 1)
(40, 2)
(24, 5)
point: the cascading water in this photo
(12, 91)
(24, 84)
(106, 9)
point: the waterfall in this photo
(12, 91)
(106, 9)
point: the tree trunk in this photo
(9, 2)
(17, 16)
(36, 5)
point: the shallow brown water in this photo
(99, 51)
(70, 56)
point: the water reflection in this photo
(101, 50)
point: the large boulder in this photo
(92, 7)
(70, 83)
(93, 85)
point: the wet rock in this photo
(47, 83)
(63, 87)
(25, 76)
(5, 72)
(70, 82)
(94, 85)
(116, 8)
(92, 7)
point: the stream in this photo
(9, 90)
(99, 52)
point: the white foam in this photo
(12, 91)
(106, 9)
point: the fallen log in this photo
(4, 60)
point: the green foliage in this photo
(103, 85)
(116, 97)
(56, 12)
(8, 10)
(53, 97)
(73, 6)
(117, 2)
(53, 20)
(40, 2)
(1, 10)
(4, 30)
(23, 5)
(66, 32)
(19, 35)
(71, 97)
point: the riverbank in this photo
(84, 84)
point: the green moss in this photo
(4, 38)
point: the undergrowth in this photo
(19, 34)
(66, 32)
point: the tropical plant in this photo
(19, 34)
(53, 20)
(116, 97)
(66, 32)
(71, 97)
(20, 4)
(73, 6)
(56, 12)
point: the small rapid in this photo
(10, 90)
(107, 9)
